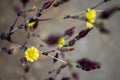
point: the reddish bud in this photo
(87, 64)
(75, 75)
(72, 42)
(23, 60)
(26, 69)
(69, 32)
(83, 33)
(24, 2)
(47, 4)
(109, 12)
(52, 39)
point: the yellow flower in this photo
(61, 42)
(30, 25)
(90, 16)
(89, 25)
(32, 54)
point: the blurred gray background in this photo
(95, 46)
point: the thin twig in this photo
(57, 59)
(14, 22)
(95, 6)
(75, 14)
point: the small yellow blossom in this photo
(61, 42)
(89, 25)
(30, 25)
(90, 16)
(32, 54)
